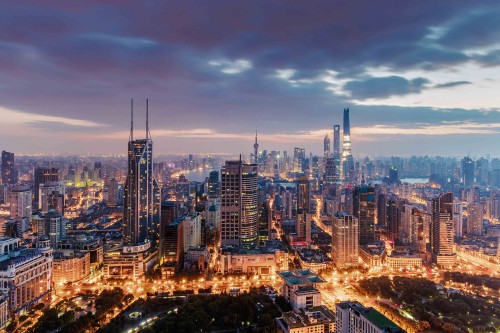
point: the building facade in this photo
(345, 244)
(239, 211)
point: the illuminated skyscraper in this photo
(442, 230)
(475, 219)
(347, 164)
(336, 149)
(9, 175)
(326, 146)
(239, 218)
(468, 171)
(141, 204)
(345, 240)
(364, 211)
(20, 203)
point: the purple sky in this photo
(420, 77)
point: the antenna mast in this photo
(131, 137)
(147, 119)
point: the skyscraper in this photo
(364, 211)
(330, 176)
(345, 236)
(299, 155)
(256, 150)
(347, 164)
(326, 146)
(44, 175)
(20, 203)
(475, 219)
(468, 171)
(141, 204)
(213, 183)
(9, 175)
(336, 149)
(239, 220)
(442, 230)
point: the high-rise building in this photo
(393, 176)
(442, 231)
(475, 219)
(364, 211)
(113, 193)
(42, 176)
(51, 225)
(336, 149)
(299, 155)
(213, 183)
(347, 165)
(326, 146)
(51, 196)
(330, 175)
(9, 174)
(239, 212)
(256, 150)
(345, 240)
(141, 204)
(468, 166)
(20, 203)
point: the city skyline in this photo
(410, 74)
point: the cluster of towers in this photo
(343, 162)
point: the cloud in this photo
(13, 117)
(381, 87)
(231, 67)
(452, 84)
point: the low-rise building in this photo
(70, 266)
(197, 256)
(399, 260)
(25, 273)
(299, 288)
(373, 254)
(354, 317)
(129, 262)
(261, 261)
(316, 319)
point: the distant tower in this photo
(336, 149)
(326, 146)
(347, 164)
(9, 175)
(468, 171)
(141, 204)
(256, 149)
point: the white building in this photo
(313, 320)
(192, 231)
(299, 288)
(20, 203)
(352, 317)
(262, 261)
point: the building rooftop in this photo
(307, 317)
(373, 316)
(300, 277)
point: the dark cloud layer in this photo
(212, 64)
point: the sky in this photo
(419, 77)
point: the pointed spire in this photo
(147, 119)
(131, 137)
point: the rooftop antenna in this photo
(131, 137)
(147, 119)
